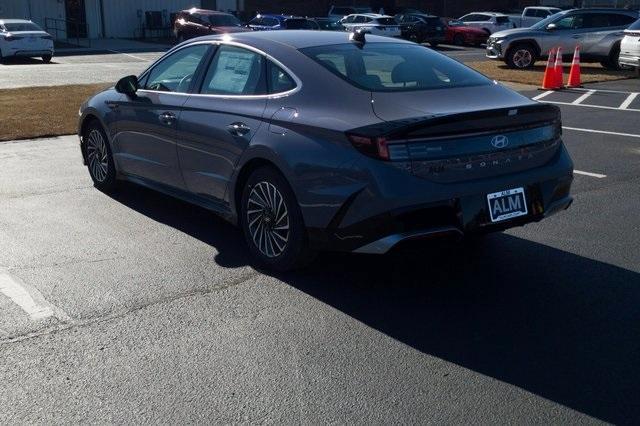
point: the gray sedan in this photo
(329, 141)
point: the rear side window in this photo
(22, 26)
(387, 21)
(279, 80)
(502, 20)
(393, 67)
(618, 20)
(235, 71)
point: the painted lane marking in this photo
(29, 299)
(131, 56)
(599, 90)
(591, 106)
(603, 132)
(595, 175)
(545, 94)
(628, 101)
(583, 97)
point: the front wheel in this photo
(46, 59)
(520, 57)
(99, 158)
(272, 222)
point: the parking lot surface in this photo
(137, 307)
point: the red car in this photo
(457, 32)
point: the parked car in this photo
(339, 12)
(533, 14)
(321, 140)
(597, 31)
(421, 28)
(281, 22)
(328, 24)
(490, 22)
(200, 22)
(456, 32)
(372, 23)
(630, 47)
(19, 37)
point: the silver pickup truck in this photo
(597, 31)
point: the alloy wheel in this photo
(522, 58)
(268, 219)
(97, 156)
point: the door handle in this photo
(167, 118)
(238, 129)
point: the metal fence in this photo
(69, 31)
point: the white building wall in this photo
(121, 18)
(36, 10)
(94, 24)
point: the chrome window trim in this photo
(278, 95)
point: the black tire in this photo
(458, 40)
(260, 222)
(434, 44)
(521, 56)
(98, 156)
(47, 58)
(611, 63)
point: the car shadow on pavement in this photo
(25, 61)
(559, 325)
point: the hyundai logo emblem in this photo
(500, 141)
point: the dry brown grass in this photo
(42, 111)
(591, 73)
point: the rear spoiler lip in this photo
(514, 118)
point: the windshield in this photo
(546, 21)
(394, 67)
(224, 21)
(21, 26)
(635, 25)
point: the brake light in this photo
(375, 147)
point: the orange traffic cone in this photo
(575, 78)
(549, 79)
(559, 70)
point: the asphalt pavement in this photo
(136, 307)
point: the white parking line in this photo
(547, 93)
(583, 97)
(131, 56)
(595, 175)
(628, 101)
(30, 300)
(592, 106)
(604, 132)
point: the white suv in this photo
(373, 23)
(630, 47)
(490, 22)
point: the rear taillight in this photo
(375, 147)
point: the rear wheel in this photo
(272, 222)
(520, 57)
(99, 158)
(611, 63)
(46, 59)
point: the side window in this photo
(279, 80)
(359, 19)
(235, 71)
(567, 22)
(174, 73)
(256, 21)
(618, 20)
(349, 19)
(271, 22)
(531, 12)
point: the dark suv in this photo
(199, 22)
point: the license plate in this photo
(507, 204)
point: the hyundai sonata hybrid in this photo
(329, 141)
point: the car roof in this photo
(205, 11)
(297, 39)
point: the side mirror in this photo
(551, 27)
(127, 85)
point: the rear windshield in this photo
(635, 25)
(386, 21)
(224, 21)
(394, 67)
(22, 26)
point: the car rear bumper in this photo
(31, 53)
(629, 60)
(464, 212)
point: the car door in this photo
(601, 28)
(568, 32)
(146, 124)
(219, 121)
